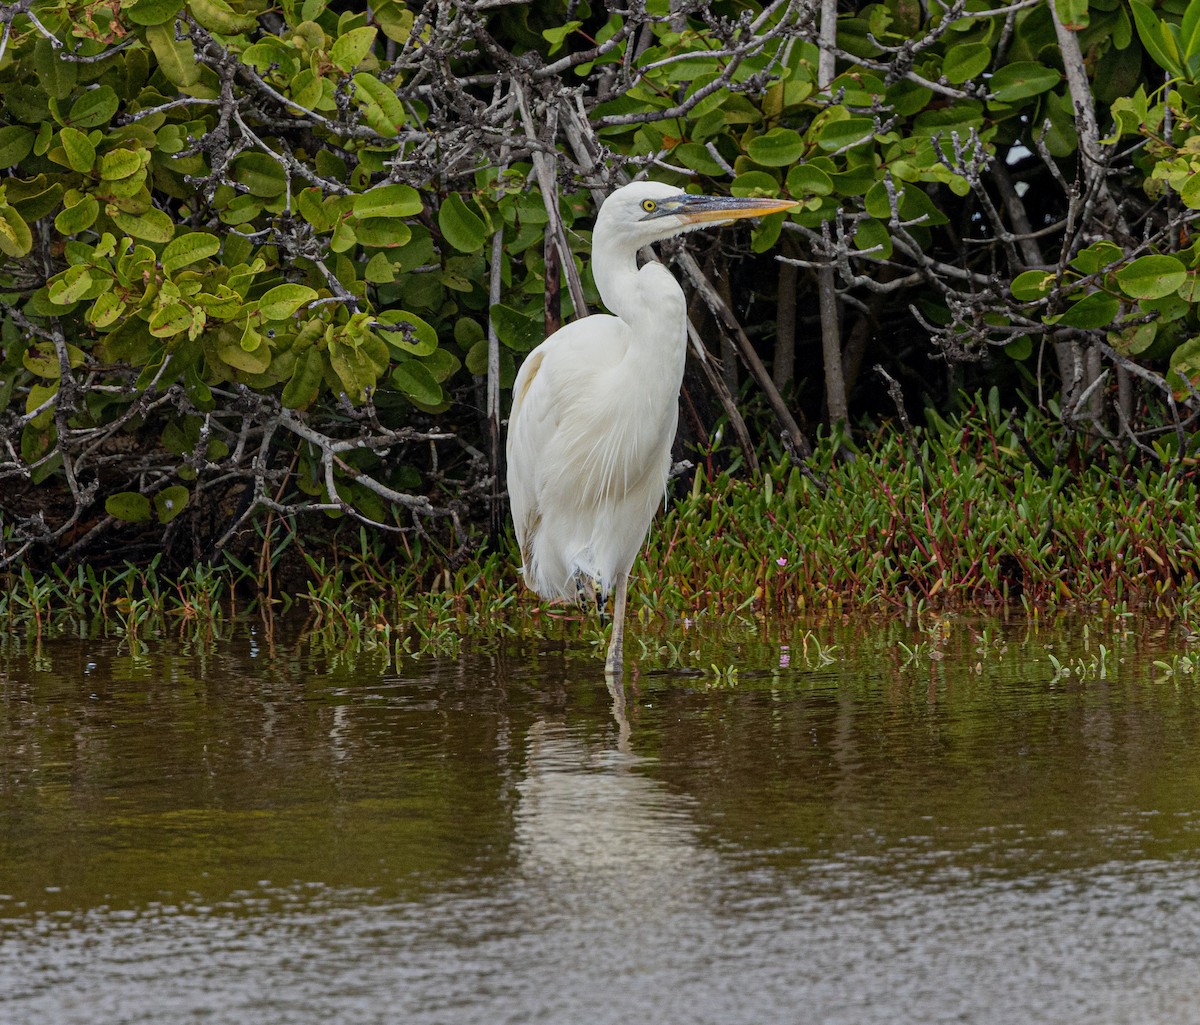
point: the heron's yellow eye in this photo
(649, 205)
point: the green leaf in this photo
(16, 143)
(153, 225)
(16, 239)
(388, 201)
(222, 304)
(1031, 285)
(77, 217)
(1019, 348)
(170, 320)
(306, 89)
(218, 16)
(262, 175)
(57, 78)
(1157, 38)
(350, 49)
(317, 210)
(1152, 277)
(305, 384)
(1022, 79)
(1185, 368)
(119, 164)
(1097, 309)
(105, 310)
(354, 368)
(41, 359)
(1097, 256)
(964, 61)
(1073, 14)
(871, 237)
(1134, 340)
(81, 154)
(460, 225)
(128, 506)
(1189, 34)
(766, 233)
(1190, 193)
(380, 105)
(753, 184)
(695, 155)
(379, 270)
(515, 329)
(476, 360)
(70, 286)
(282, 301)
(233, 351)
(176, 58)
(442, 364)
(805, 179)
(556, 37)
(170, 502)
(152, 12)
(415, 381)
(94, 108)
(189, 248)
(413, 337)
(382, 233)
(780, 147)
(845, 134)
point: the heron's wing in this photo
(553, 392)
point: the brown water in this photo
(945, 831)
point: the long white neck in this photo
(614, 269)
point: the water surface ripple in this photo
(251, 837)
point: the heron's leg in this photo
(615, 663)
(585, 590)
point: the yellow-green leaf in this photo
(460, 225)
(94, 108)
(282, 301)
(80, 152)
(380, 105)
(118, 164)
(153, 225)
(170, 502)
(105, 310)
(218, 16)
(415, 381)
(15, 237)
(128, 506)
(354, 368)
(388, 201)
(41, 359)
(170, 320)
(78, 217)
(152, 12)
(187, 249)
(408, 333)
(176, 58)
(302, 390)
(350, 49)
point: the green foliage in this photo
(272, 230)
(955, 515)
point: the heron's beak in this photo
(726, 209)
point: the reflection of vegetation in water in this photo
(200, 765)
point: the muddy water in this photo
(828, 825)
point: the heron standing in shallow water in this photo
(595, 406)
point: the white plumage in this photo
(595, 406)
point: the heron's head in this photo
(646, 212)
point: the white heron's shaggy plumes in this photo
(595, 406)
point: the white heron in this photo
(595, 406)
